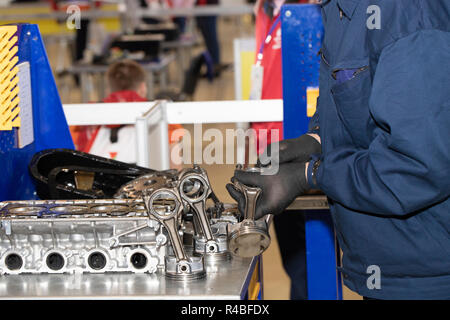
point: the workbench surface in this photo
(225, 280)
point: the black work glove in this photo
(291, 150)
(278, 191)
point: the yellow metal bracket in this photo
(254, 287)
(9, 79)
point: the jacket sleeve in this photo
(406, 168)
(313, 125)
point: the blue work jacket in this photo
(385, 132)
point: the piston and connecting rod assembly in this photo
(195, 189)
(249, 237)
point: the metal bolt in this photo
(161, 239)
(112, 242)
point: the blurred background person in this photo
(185, 4)
(208, 28)
(127, 83)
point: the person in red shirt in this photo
(268, 30)
(126, 79)
(289, 227)
(271, 63)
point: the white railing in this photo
(152, 118)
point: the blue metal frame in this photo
(256, 266)
(302, 34)
(49, 122)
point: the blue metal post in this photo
(49, 122)
(302, 33)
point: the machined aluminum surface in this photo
(217, 250)
(190, 269)
(224, 281)
(143, 230)
(248, 238)
(136, 188)
(77, 236)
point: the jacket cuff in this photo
(314, 130)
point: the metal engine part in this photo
(165, 205)
(136, 188)
(195, 188)
(79, 236)
(143, 230)
(250, 237)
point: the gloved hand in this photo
(278, 191)
(298, 150)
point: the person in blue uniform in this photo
(383, 123)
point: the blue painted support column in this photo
(324, 281)
(302, 33)
(49, 122)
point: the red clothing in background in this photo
(272, 87)
(63, 5)
(207, 2)
(124, 96)
(84, 136)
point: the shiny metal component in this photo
(77, 236)
(144, 184)
(219, 231)
(228, 213)
(215, 251)
(228, 280)
(141, 231)
(185, 270)
(250, 237)
(195, 188)
(165, 205)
